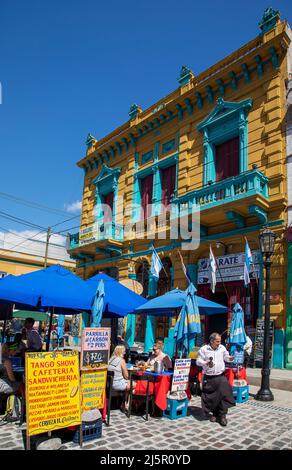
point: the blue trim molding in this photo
(227, 120)
(134, 111)
(236, 218)
(106, 182)
(147, 157)
(269, 20)
(185, 75)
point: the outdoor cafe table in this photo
(162, 386)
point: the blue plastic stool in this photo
(241, 394)
(176, 409)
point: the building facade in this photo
(205, 165)
(17, 262)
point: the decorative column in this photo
(131, 319)
(243, 154)
(156, 190)
(289, 305)
(150, 321)
(209, 170)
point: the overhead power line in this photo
(34, 205)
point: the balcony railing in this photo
(95, 233)
(246, 184)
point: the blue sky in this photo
(71, 67)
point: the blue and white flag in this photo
(156, 264)
(185, 271)
(212, 263)
(247, 264)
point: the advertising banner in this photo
(89, 234)
(181, 374)
(229, 268)
(95, 346)
(52, 391)
(93, 389)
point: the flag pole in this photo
(161, 261)
(217, 266)
(253, 265)
(183, 266)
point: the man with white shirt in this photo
(217, 394)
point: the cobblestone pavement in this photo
(252, 425)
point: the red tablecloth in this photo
(162, 386)
(232, 374)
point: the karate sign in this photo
(181, 374)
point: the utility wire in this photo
(9, 232)
(32, 204)
(20, 221)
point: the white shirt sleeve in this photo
(201, 359)
(226, 355)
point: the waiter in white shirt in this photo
(217, 394)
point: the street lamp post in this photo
(267, 244)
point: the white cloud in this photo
(74, 207)
(32, 242)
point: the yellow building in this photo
(212, 154)
(15, 262)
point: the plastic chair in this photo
(147, 397)
(110, 393)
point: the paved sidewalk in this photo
(254, 425)
(279, 378)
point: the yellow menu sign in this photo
(93, 389)
(52, 391)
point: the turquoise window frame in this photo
(106, 182)
(226, 121)
(157, 189)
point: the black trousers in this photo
(217, 395)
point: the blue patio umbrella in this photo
(54, 288)
(98, 305)
(119, 301)
(170, 304)
(237, 336)
(51, 287)
(188, 322)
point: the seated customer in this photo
(34, 341)
(117, 365)
(158, 355)
(8, 382)
(18, 347)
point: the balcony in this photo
(87, 238)
(247, 190)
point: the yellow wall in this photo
(266, 149)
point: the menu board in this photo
(181, 374)
(52, 391)
(93, 389)
(259, 342)
(95, 346)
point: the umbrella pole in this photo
(50, 329)
(3, 332)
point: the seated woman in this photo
(158, 355)
(117, 364)
(8, 382)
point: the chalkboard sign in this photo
(259, 342)
(95, 347)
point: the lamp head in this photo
(267, 241)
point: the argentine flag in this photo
(247, 264)
(156, 264)
(212, 263)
